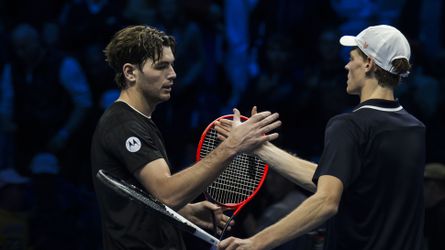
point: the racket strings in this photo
(239, 180)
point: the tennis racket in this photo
(153, 205)
(239, 182)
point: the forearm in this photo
(291, 167)
(183, 187)
(308, 216)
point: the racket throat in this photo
(226, 226)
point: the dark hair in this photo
(385, 78)
(135, 44)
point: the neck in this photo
(372, 90)
(137, 101)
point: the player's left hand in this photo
(206, 214)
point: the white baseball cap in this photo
(383, 43)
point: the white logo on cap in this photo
(133, 144)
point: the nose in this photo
(171, 73)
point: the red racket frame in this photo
(233, 206)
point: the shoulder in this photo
(118, 115)
(118, 124)
(120, 118)
(344, 126)
(364, 118)
(343, 120)
(412, 120)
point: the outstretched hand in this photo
(224, 126)
(249, 135)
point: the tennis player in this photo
(368, 183)
(128, 144)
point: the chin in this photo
(165, 98)
(352, 91)
(348, 89)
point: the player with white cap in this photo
(368, 184)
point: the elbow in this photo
(331, 210)
(173, 199)
(309, 186)
(329, 205)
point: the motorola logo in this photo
(133, 144)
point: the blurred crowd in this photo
(280, 55)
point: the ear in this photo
(369, 64)
(129, 71)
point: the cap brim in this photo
(348, 41)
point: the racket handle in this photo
(198, 232)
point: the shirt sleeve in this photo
(133, 145)
(341, 153)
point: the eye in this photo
(161, 65)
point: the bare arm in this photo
(291, 167)
(310, 214)
(179, 189)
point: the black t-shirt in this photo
(378, 152)
(125, 141)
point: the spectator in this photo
(51, 97)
